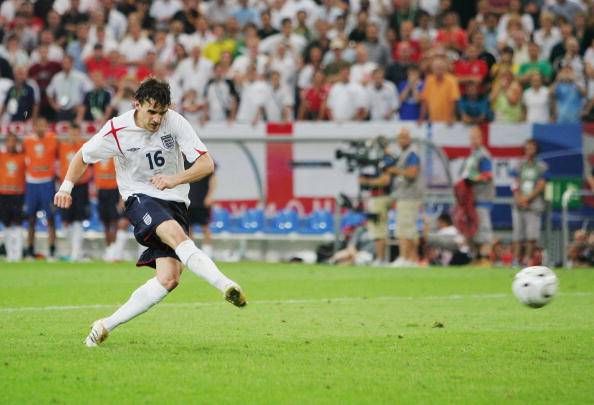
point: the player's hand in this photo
(62, 200)
(163, 181)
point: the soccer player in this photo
(12, 190)
(73, 216)
(110, 210)
(41, 151)
(147, 144)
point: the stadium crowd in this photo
(251, 60)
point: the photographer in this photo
(375, 181)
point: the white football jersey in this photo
(140, 154)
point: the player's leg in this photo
(204, 222)
(172, 234)
(122, 236)
(31, 203)
(47, 204)
(14, 223)
(141, 300)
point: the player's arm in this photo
(76, 169)
(202, 167)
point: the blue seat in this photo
(283, 222)
(251, 221)
(317, 223)
(220, 220)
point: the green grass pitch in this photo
(311, 334)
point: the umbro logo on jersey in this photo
(168, 141)
(132, 149)
(147, 218)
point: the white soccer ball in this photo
(535, 286)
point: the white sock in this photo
(201, 265)
(76, 240)
(141, 300)
(9, 242)
(17, 237)
(119, 245)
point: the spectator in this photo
(75, 47)
(335, 60)
(124, 97)
(55, 53)
(535, 64)
(473, 108)
(529, 180)
(360, 249)
(358, 33)
(193, 107)
(471, 69)
(313, 98)
(346, 100)
(218, 11)
(515, 11)
(199, 36)
(423, 30)
(66, 90)
(329, 11)
(505, 63)
(580, 251)
(397, 71)
(97, 102)
(573, 59)
(565, 9)
(568, 95)
(409, 196)
(188, 14)
(447, 246)
(410, 93)
(406, 30)
(13, 52)
(285, 61)
(221, 97)
(478, 170)
(440, 94)
(558, 50)
(477, 39)
(254, 92)
(584, 31)
(507, 101)
(302, 28)
(491, 33)
(135, 44)
(245, 14)
(72, 17)
(451, 35)
(313, 65)
(266, 29)
(107, 44)
(116, 21)
(382, 96)
(378, 52)
(547, 36)
(42, 73)
(22, 99)
(163, 10)
(220, 44)
(404, 10)
(97, 61)
(362, 68)
(280, 102)
(286, 36)
(537, 102)
(193, 72)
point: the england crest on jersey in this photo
(168, 141)
(147, 219)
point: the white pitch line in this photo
(283, 302)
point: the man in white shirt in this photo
(193, 73)
(383, 97)
(254, 95)
(362, 68)
(279, 106)
(148, 145)
(286, 36)
(346, 100)
(537, 101)
(67, 90)
(135, 45)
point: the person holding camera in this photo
(409, 194)
(375, 181)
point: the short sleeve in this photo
(101, 146)
(412, 160)
(187, 138)
(485, 165)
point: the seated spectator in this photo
(135, 44)
(313, 98)
(362, 69)
(547, 36)
(535, 64)
(22, 99)
(506, 100)
(346, 100)
(537, 102)
(580, 252)
(360, 249)
(568, 97)
(382, 96)
(447, 246)
(473, 108)
(440, 94)
(410, 91)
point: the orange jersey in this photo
(12, 173)
(105, 175)
(66, 152)
(40, 157)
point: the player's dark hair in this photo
(153, 89)
(533, 142)
(445, 218)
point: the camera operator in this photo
(375, 181)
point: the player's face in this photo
(11, 143)
(150, 115)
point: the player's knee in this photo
(171, 233)
(171, 283)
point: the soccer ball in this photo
(535, 286)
